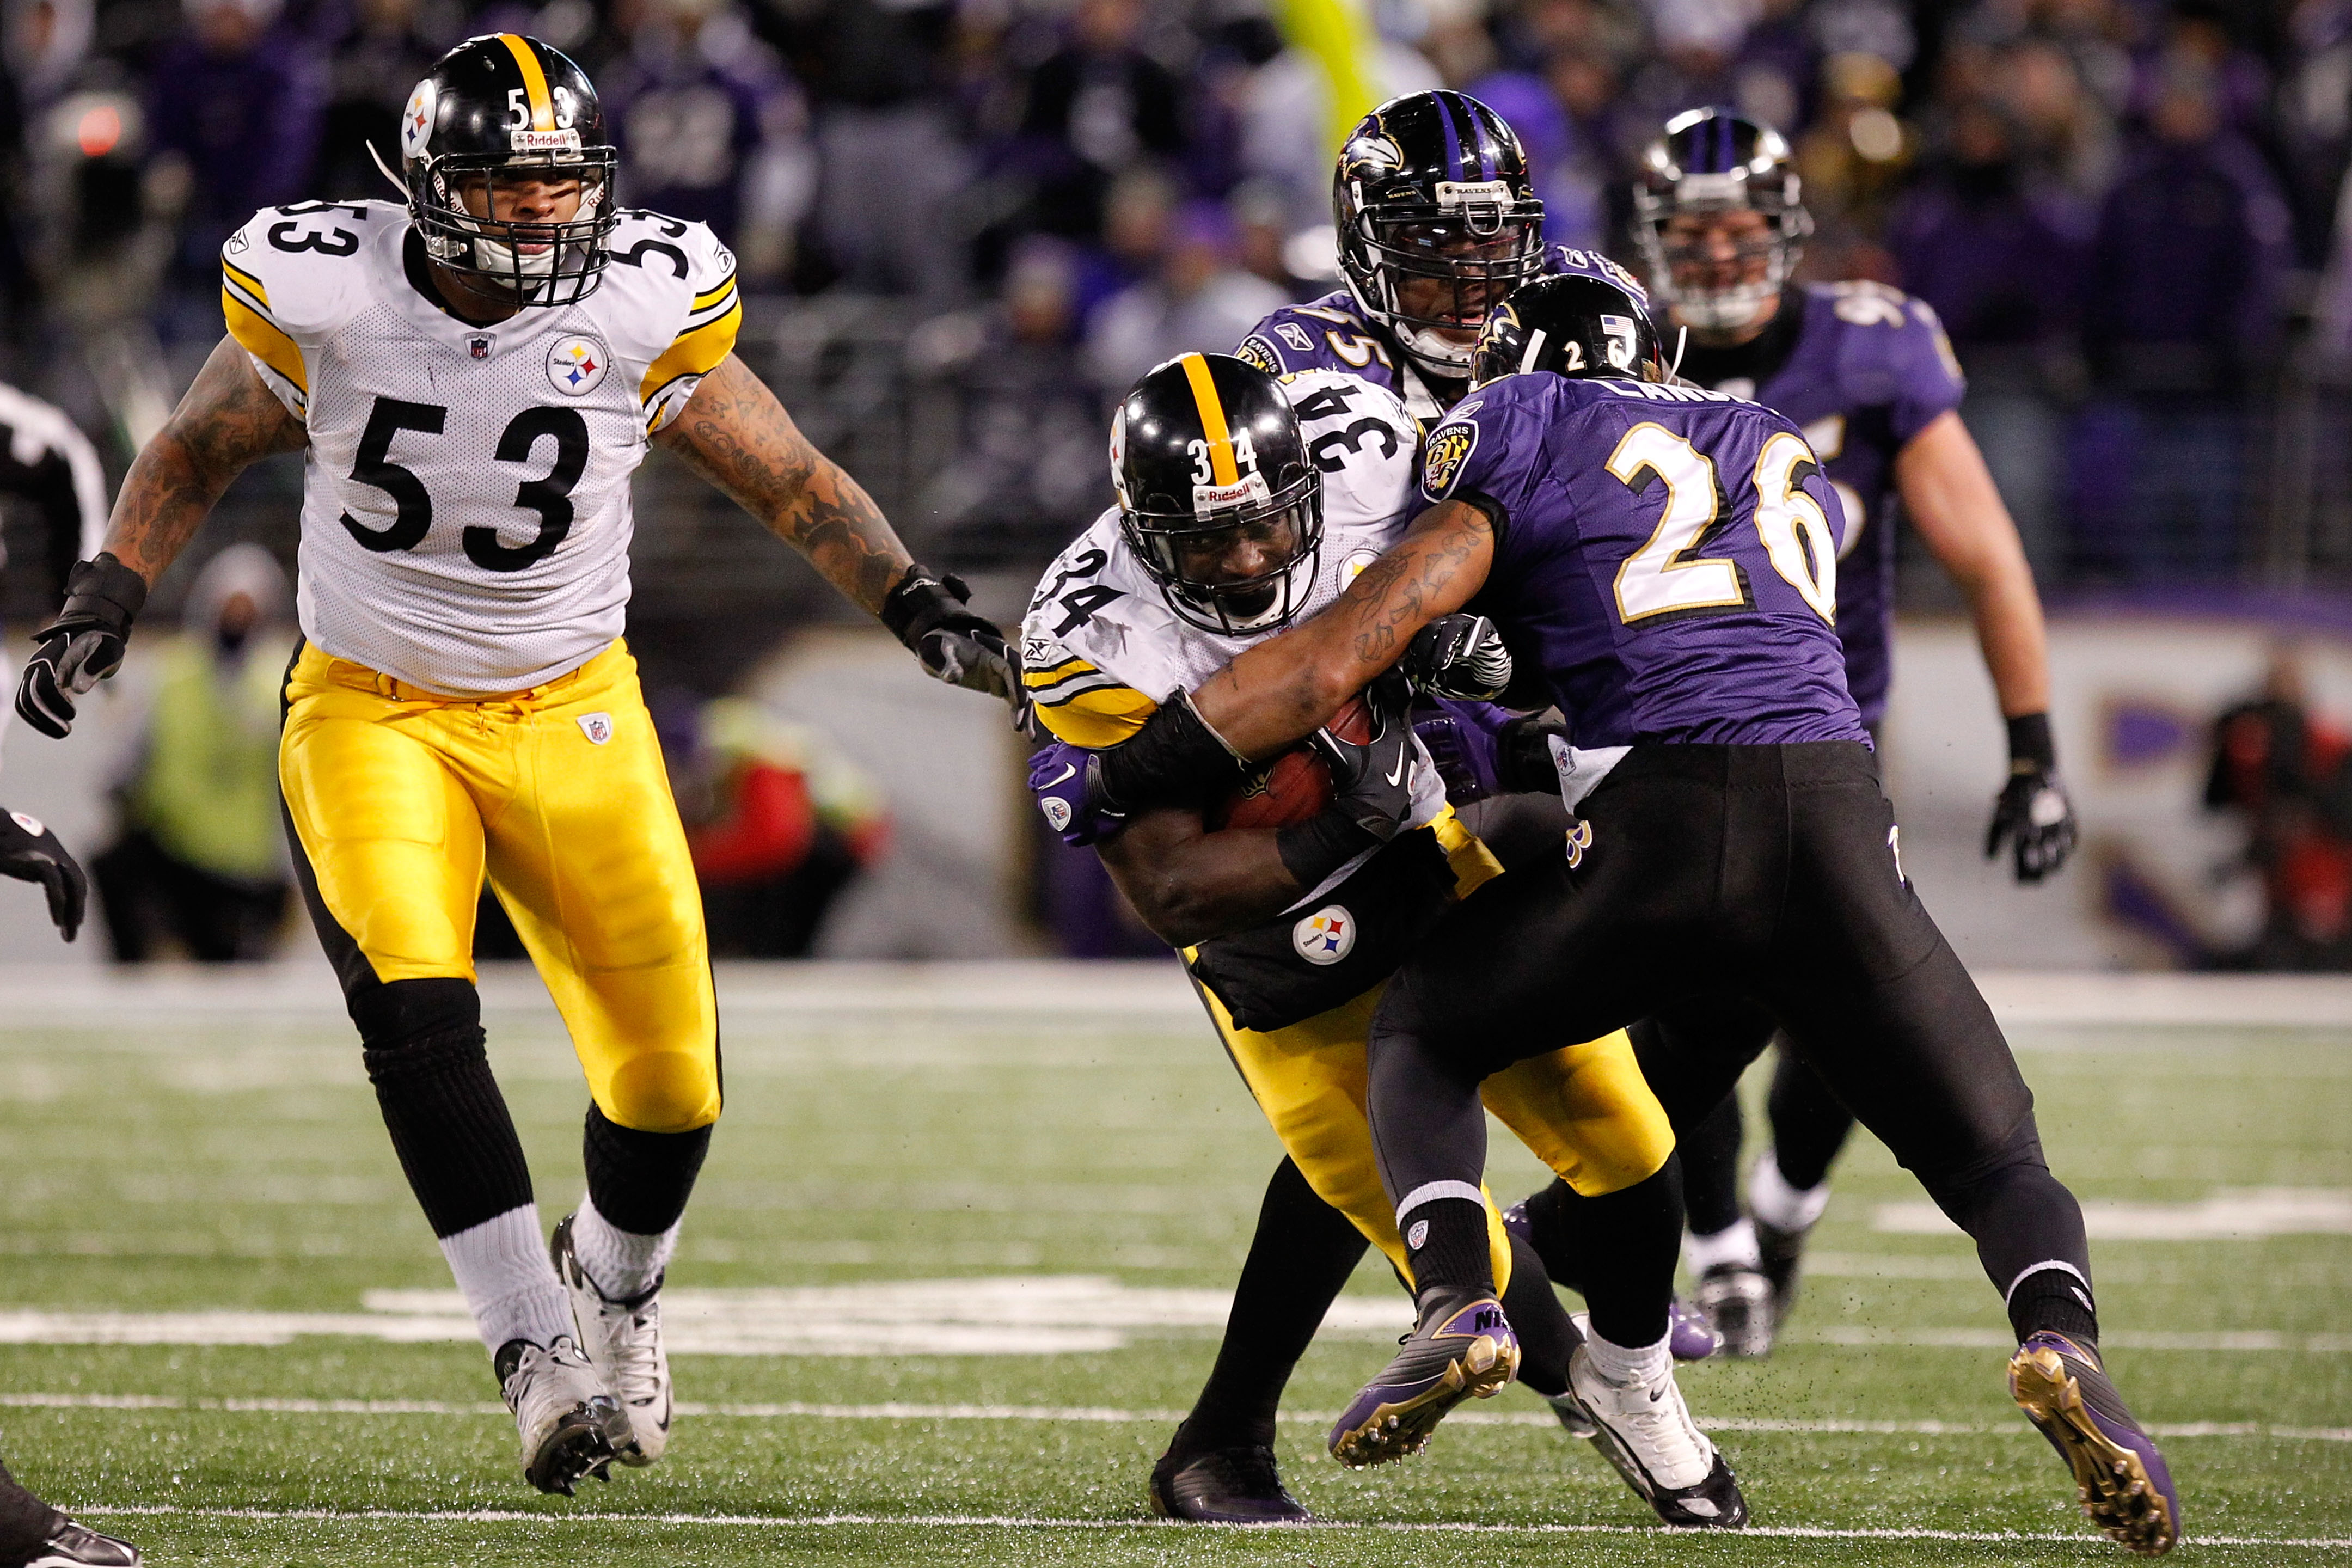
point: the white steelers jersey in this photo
(466, 519)
(1100, 647)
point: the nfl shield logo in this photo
(479, 347)
(597, 727)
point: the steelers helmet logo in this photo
(1327, 936)
(575, 365)
(1449, 449)
(416, 121)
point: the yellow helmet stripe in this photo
(1212, 421)
(534, 81)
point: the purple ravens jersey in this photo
(1666, 557)
(1861, 369)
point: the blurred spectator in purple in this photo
(2000, 261)
(1198, 300)
(2195, 39)
(237, 101)
(2315, 112)
(893, 164)
(1029, 471)
(1094, 108)
(2181, 300)
(1287, 125)
(713, 131)
(385, 51)
(1572, 186)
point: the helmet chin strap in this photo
(1682, 342)
(385, 170)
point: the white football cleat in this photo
(1644, 1429)
(569, 1421)
(624, 1342)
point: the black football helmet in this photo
(502, 108)
(1217, 496)
(1433, 189)
(1580, 323)
(1714, 161)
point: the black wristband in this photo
(2031, 750)
(102, 592)
(1175, 759)
(1322, 844)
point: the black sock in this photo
(1546, 1337)
(1446, 1240)
(640, 1181)
(1810, 1125)
(1634, 1236)
(1300, 1259)
(2056, 1299)
(26, 1522)
(450, 1124)
(1710, 1158)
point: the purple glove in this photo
(1460, 737)
(1068, 780)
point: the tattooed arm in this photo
(735, 434)
(1285, 687)
(227, 422)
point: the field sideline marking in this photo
(1099, 1414)
(1019, 1521)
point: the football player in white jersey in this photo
(472, 382)
(1244, 502)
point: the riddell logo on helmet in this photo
(543, 141)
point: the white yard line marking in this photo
(1021, 1521)
(1090, 1413)
(2227, 1214)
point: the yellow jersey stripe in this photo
(1056, 673)
(534, 81)
(1103, 717)
(264, 338)
(695, 352)
(251, 284)
(704, 301)
(1212, 421)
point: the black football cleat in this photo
(2122, 1480)
(1224, 1486)
(1454, 1354)
(1737, 1302)
(73, 1545)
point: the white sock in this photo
(1621, 1365)
(1771, 1199)
(1735, 1242)
(621, 1264)
(501, 1265)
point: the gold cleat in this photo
(2125, 1485)
(1471, 1354)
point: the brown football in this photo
(1295, 785)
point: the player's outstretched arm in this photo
(228, 421)
(734, 433)
(1287, 686)
(1189, 884)
(1952, 498)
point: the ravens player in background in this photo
(1667, 556)
(472, 380)
(1868, 375)
(44, 460)
(1244, 503)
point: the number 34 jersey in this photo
(465, 517)
(1101, 646)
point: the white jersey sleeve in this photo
(685, 313)
(289, 278)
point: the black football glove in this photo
(1372, 783)
(1458, 656)
(925, 612)
(31, 853)
(2032, 812)
(83, 646)
(1524, 763)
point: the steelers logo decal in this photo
(1327, 936)
(575, 365)
(1449, 449)
(1353, 566)
(416, 121)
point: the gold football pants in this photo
(1585, 1111)
(401, 799)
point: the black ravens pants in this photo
(1719, 876)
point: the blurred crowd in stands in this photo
(2126, 210)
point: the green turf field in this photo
(215, 1173)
